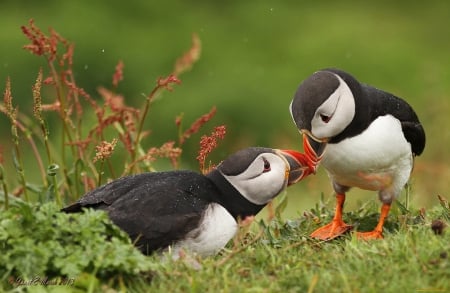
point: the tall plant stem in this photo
(5, 189)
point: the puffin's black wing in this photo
(155, 209)
(383, 103)
(372, 103)
(415, 135)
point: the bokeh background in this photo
(254, 55)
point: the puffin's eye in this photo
(325, 118)
(266, 166)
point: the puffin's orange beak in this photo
(314, 149)
(298, 166)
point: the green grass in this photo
(279, 256)
(411, 258)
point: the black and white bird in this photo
(188, 210)
(363, 136)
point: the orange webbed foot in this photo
(375, 234)
(331, 230)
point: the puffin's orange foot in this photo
(375, 234)
(331, 230)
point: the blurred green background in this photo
(254, 55)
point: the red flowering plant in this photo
(86, 149)
(208, 144)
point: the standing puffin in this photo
(363, 136)
(184, 209)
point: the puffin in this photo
(185, 210)
(363, 136)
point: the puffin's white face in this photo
(264, 178)
(335, 114)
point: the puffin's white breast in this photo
(216, 228)
(381, 151)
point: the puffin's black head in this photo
(323, 106)
(311, 93)
(260, 174)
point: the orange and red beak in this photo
(302, 165)
(314, 149)
(298, 165)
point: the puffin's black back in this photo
(371, 103)
(157, 208)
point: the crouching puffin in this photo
(363, 136)
(184, 209)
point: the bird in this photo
(363, 136)
(183, 210)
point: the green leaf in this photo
(41, 240)
(36, 188)
(16, 162)
(282, 204)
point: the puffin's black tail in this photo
(73, 208)
(78, 207)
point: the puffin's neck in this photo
(235, 203)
